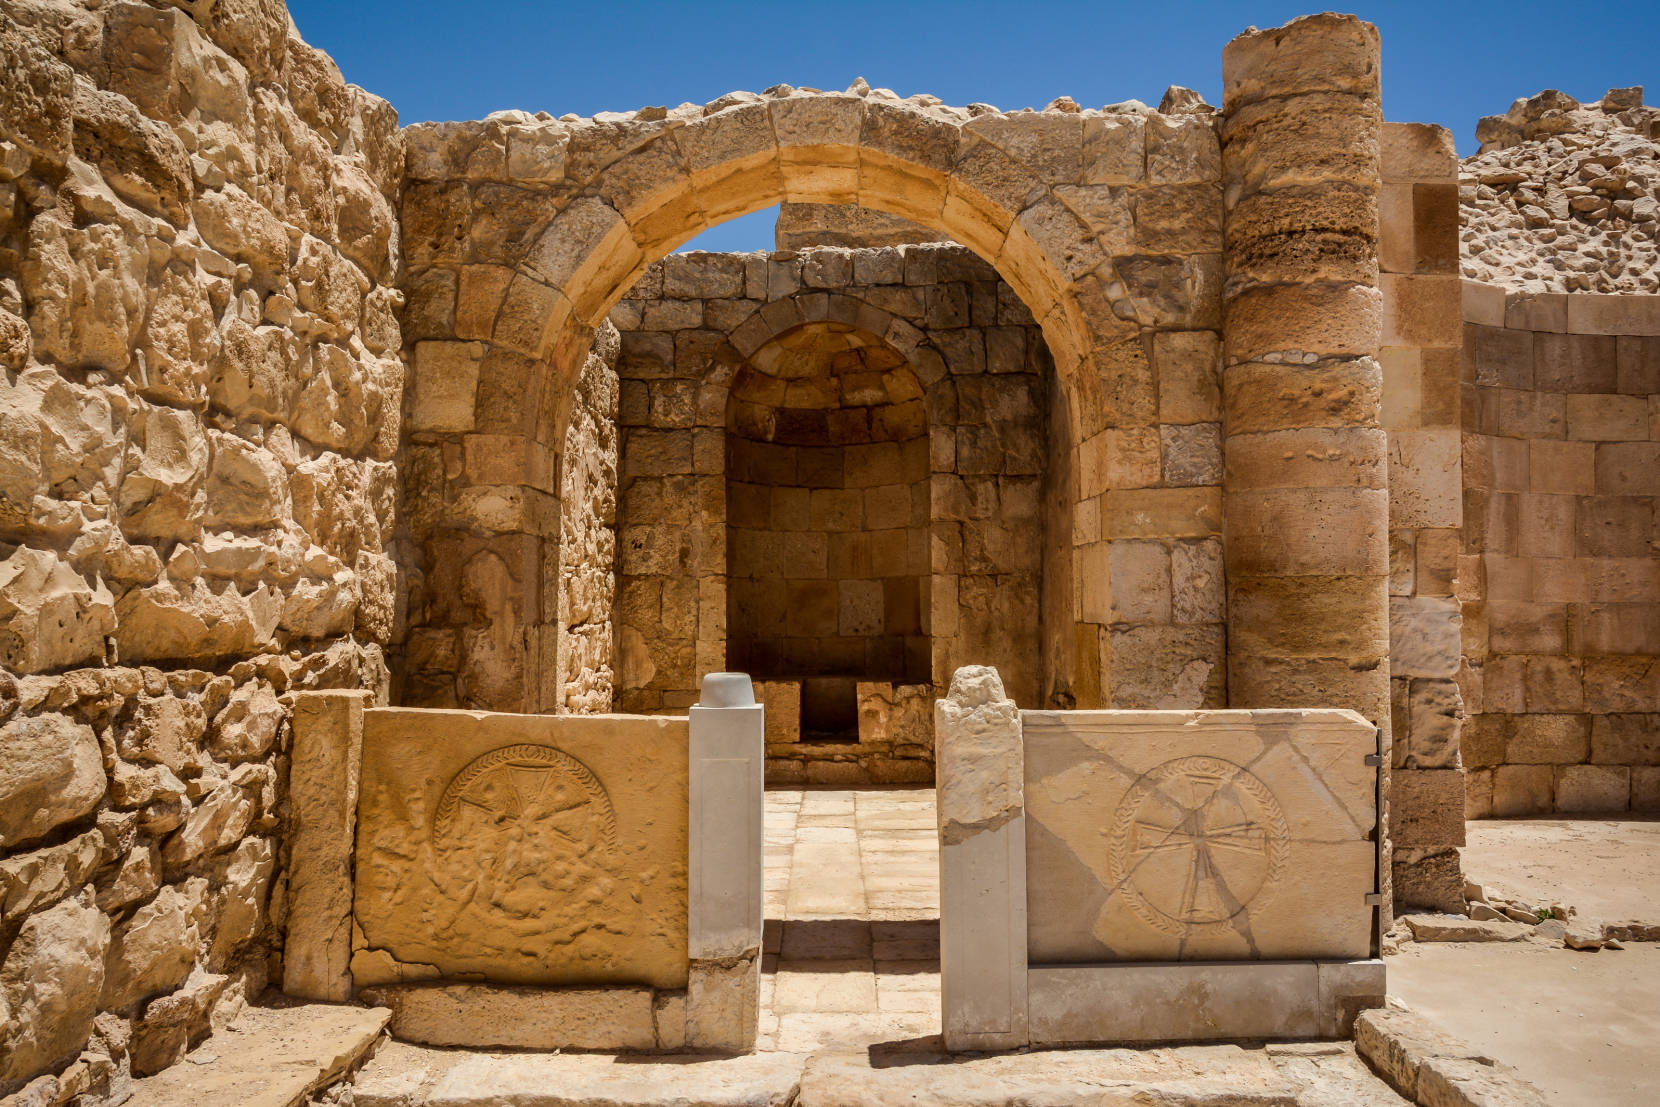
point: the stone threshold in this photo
(1314, 1074)
(270, 1057)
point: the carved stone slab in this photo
(523, 849)
(1209, 836)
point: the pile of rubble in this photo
(1489, 917)
(1565, 197)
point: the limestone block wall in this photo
(199, 394)
(696, 324)
(523, 231)
(1419, 356)
(1560, 572)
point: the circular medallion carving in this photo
(531, 801)
(1196, 840)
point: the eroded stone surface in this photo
(489, 844)
(1214, 836)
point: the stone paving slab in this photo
(412, 1076)
(1193, 1076)
(270, 1057)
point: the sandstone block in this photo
(239, 227)
(323, 786)
(1593, 788)
(29, 881)
(153, 950)
(1427, 808)
(485, 1016)
(1326, 51)
(1522, 790)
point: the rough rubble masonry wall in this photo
(199, 390)
(588, 536)
(1561, 573)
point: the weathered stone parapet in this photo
(1305, 506)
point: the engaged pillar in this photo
(1305, 513)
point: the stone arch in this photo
(530, 229)
(1011, 628)
(1012, 188)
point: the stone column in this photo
(1305, 489)
(727, 756)
(980, 773)
(323, 780)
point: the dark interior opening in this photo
(829, 709)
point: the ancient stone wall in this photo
(1561, 569)
(1419, 356)
(849, 225)
(524, 230)
(588, 535)
(199, 396)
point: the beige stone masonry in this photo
(1559, 581)
(1300, 153)
(323, 788)
(1179, 875)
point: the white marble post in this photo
(979, 767)
(727, 756)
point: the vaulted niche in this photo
(827, 467)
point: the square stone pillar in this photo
(323, 780)
(727, 760)
(979, 769)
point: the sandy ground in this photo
(1583, 1027)
(1607, 868)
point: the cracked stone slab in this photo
(1199, 836)
(1188, 1076)
(271, 1057)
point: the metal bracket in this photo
(1374, 759)
(1374, 899)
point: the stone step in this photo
(270, 1057)
(403, 1075)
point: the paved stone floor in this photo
(852, 930)
(1608, 869)
(1579, 1026)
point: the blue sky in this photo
(1450, 62)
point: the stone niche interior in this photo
(831, 467)
(827, 527)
